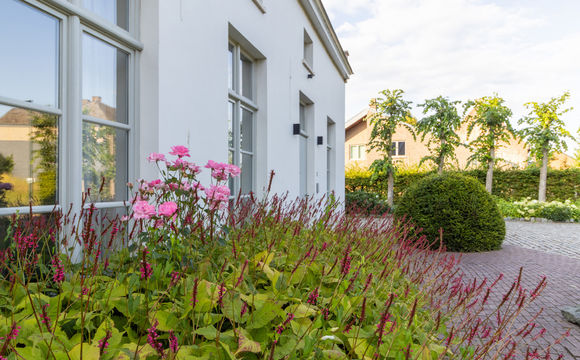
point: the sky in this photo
(523, 50)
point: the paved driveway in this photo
(542, 249)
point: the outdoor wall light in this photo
(310, 76)
(295, 129)
(319, 140)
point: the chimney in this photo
(96, 99)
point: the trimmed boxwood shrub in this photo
(459, 205)
(366, 202)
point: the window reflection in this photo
(28, 157)
(105, 82)
(116, 11)
(105, 162)
(30, 57)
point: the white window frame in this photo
(74, 20)
(308, 53)
(361, 150)
(395, 152)
(241, 103)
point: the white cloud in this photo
(458, 48)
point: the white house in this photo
(89, 87)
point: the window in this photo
(62, 132)
(330, 159)
(241, 118)
(115, 11)
(398, 148)
(308, 51)
(358, 152)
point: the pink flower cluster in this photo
(104, 343)
(222, 171)
(152, 338)
(145, 269)
(143, 210)
(173, 344)
(217, 196)
(58, 270)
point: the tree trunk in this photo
(441, 159)
(490, 165)
(543, 175)
(390, 188)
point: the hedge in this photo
(507, 184)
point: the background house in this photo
(409, 151)
(258, 83)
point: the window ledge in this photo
(307, 66)
(260, 6)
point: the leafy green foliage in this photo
(490, 117)
(460, 206)
(545, 128)
(391, 110)
(528, 209)
(366, 202)
(508, 184)
(441, 126)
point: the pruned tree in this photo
(545, 133)
(491, 118)
(441, 128)
(391, 110)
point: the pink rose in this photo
(179, 150)
(167, 208)
(217, 196)
(156, 157)
(233, 170)
(142, 210)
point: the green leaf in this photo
(245, 344)
(209, 332)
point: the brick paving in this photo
(554, 238)
(540, 249)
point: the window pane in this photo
(105, 162)
(231, 181)
(116, 11)
(246, 129)
(401, 148)
(362, 152)
(352, 152)
(28, 157)
(30, 54)
(105, 81)
(246, 176)
(106, 224)
(394, 148)
(230, 124)
(247, 83)
(302, 117)
(231, 66)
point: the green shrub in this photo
(459, 205)
(528, 208)
(366, 202)
(507, 184)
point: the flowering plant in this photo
(189, 274)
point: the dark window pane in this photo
(247, 80)
(28, 157)
(246, 176)
(231, 180)
(302, 116)
(246, 130)
(230, 124)
(105, 81)
(394, 149)
(116, 11)
(401, 148)
(231, 66)
(105, 162)
(30, 54)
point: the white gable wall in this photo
(184, 86)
